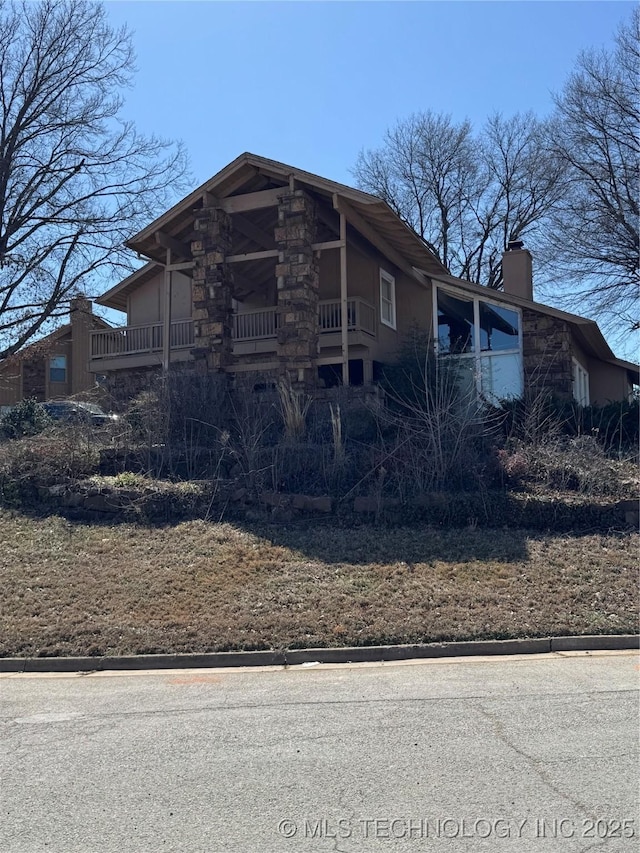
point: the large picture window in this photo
(484, 335)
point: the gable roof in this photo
(248, 171)
(42, 346)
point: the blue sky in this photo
(311, 83)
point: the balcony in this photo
(253, 332)
(263, 324)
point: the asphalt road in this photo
(517, 754)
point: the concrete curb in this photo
(355, 654)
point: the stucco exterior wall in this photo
(413, 300)
(146, 303)
(607, 382)
(34, 379)
(329, 267)
(415, 305)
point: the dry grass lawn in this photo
(83, 589)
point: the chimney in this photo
(517, 274)
(81, 310)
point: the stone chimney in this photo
(80, 309)
(517, 271)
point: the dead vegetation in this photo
(73, 589)
(209, 584)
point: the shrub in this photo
(176, 426)
(615, 426)
(27, 418)
(436, 435)
(294, 406)
(578, 464)
(29, 464)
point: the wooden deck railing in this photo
(263, 323)
(134, 340)
(360, 315)
(256, 325)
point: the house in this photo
(266, 269)
(55, 366)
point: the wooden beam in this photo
(273, 253)
(210, 200)
(251, 256)
(253, 232)
(344, 304)
(252, 201)
(331, 244)
(373, 237)
(254, 367)
(245, 175)
(166, 324)
(168, 242)
(187, 265)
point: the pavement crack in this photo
(536, 764)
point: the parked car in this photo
(73, 411)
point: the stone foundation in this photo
(122, 386)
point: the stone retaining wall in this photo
(228, 500)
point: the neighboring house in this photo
(56, 365)
(266, 269)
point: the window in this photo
(58, 368)
(580, 384)
(456, 329)
(387, 299)
(486, 338)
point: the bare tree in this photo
(466, 194)
(75, 178)
(594, 244)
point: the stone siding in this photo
(298, 276)
(212, 290)
(547, 355)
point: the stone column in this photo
(298, 287)
(212, 290)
